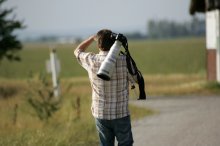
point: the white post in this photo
(54, 70)
(210, 30)
(213, 44)
(217, 18)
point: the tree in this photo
(9, 44)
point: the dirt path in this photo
(182, 121)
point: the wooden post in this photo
(211, 64)
(15, 115)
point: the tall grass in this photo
(64, 128)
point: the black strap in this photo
(133, 70)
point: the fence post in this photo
(53, 67)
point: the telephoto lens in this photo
(108, 65)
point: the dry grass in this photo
(65, 127)
(20, 125)
(177, 84)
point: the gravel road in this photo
(180, 121)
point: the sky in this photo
(85, 17)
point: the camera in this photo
(120, 37)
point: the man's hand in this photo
(85, 44)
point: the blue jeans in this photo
(119, 128)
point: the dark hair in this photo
(105, 41)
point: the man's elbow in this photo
(76, 51)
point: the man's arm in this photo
(84, 45)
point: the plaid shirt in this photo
(109, 98)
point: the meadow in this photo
(180, 56)
(170, 67)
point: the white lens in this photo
(107, 67)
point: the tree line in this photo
(163, 29)
(171, 29)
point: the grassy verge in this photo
(180, 84)
(68, 126)
(21, 127)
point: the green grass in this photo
(180, 56)
(186, 56)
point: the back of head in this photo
(105, 41)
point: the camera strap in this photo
(133, 70)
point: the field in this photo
(182, 56)
(170, 67)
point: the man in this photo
(109, 98)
